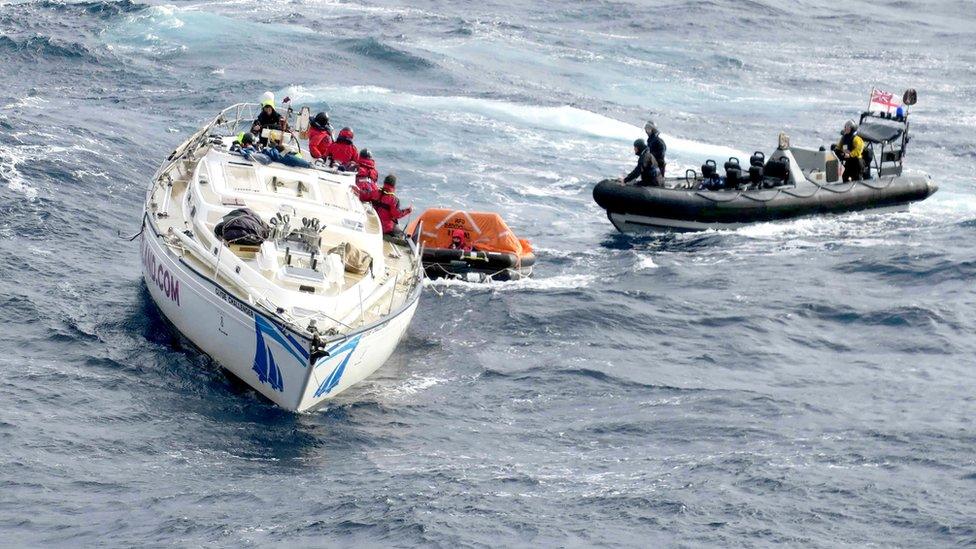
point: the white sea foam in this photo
(559, 282)
(413, 385)
(10, 158)
(570, 120)
(645, 262)
(13, 156)
(27, 102)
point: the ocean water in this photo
(808, 383)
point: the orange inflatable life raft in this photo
(471, 245)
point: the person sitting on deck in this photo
(319, 135)
(343, 150)
(286, 157)
(850, 150)
(366, 177)
(387, 207)
(460, 242)
(246, 144)
(255, 134)
(646, 173)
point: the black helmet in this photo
(640, 144)
(321, 120)
(365, 154)
(247, 138)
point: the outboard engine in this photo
(733, 173)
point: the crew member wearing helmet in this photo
(656, 144)
(319, 135)
(255, 134)
(646, 173)
(343, 151)
(366, 177)
(388, 208)
(247, 141)
(269, 117)
(850, 149)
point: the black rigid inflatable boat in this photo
(794, 182)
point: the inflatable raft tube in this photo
(632, 209)
(476, 266)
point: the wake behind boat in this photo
(792, 182)
(300, 296)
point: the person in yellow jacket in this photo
(850, 150)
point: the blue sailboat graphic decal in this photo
(265, 364)
(344, 347)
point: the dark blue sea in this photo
(806, 383)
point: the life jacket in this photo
(854, 144)
(459, 241)
(366, 180)
(319, 141)
(387, 207)
(342, 151)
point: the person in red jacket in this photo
(388, 208)
(343, 151)
(319, 135)
(460, 242)
(366, 177)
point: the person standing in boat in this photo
(850, 150)
(646, 173)
(656, 145)
(366, 177)
(387, 207)
(343, 151)
(319, 135)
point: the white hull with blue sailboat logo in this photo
(289, 317)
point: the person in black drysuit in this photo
(269, 117)
(656, 144)
(646, 172)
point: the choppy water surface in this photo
(808, 383)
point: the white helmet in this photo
(267, 98)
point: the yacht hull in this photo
(264, 352)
